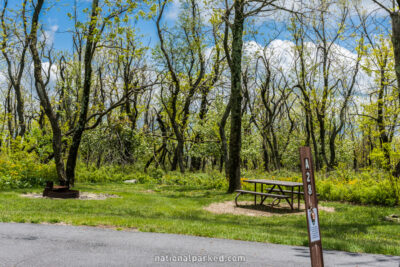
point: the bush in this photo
(115, 173)
(210, 180)
(364, 188)
(109, 173)
(22, 170)
(343, 184)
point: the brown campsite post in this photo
(311, 207)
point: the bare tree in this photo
(15, 71)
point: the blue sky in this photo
(57, 18)
(57, 24)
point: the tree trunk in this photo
(163, 129)
(224, 145)
(44, 99)
(196, 161)
(84, 108)
(20, 110)
(383, 136)
(322, 135)
(310, 124)
(314, 140)
(275, 150)
(178, 154)
(395, 17)
(9, 113)
(265, 155)
(235, 140)
(332, 149)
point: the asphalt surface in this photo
(56, 245)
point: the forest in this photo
(159, 89)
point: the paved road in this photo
(55, 245)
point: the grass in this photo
(179, 209)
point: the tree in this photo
(40, 85)
(271, 108)
(15, 73)
(394, 12)
(94, 29)
(321, 69)
(242, 10)
(187, 75)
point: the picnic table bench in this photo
(288, 191)
(275, 191)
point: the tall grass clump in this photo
(24, 170)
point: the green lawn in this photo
(177, 209)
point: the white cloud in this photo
(282, 59)
(173, 10)
(45, 73)
(49, 34)
(309, 5)
(3, 78)
(369, 6)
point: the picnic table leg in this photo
(255, 196)
(272, 188)
(292, 197)
(298, 199)
(264, 198)
(237, 198)
(287, 200)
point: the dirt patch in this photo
(393, 218)
(82, 196)
(148, 191)
(248, 208)
(93, 196)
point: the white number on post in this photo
(307, 163)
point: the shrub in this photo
(210, 180)
(343, 184)
(364, 191)
(108, 173)
(22, 170)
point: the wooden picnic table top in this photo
(273, 182)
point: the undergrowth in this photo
(363, 187)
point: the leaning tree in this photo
(100, 22)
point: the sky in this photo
(57, 24)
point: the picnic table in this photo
(275, 189)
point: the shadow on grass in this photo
(271, 209)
